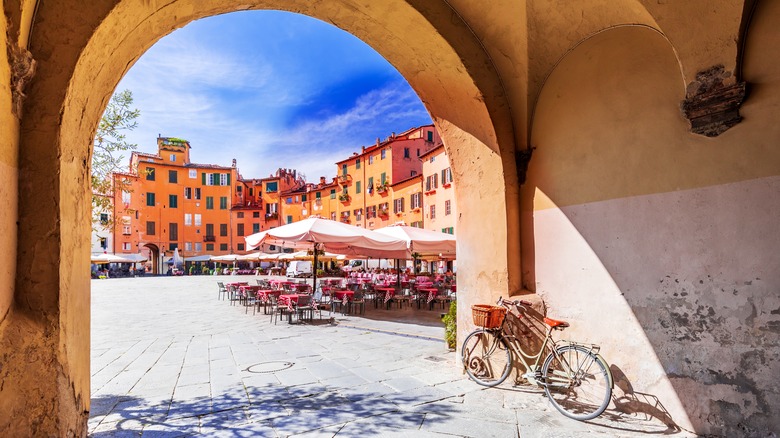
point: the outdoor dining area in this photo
(300, 300)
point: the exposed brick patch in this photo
(712, 101)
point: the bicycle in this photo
(574, 376)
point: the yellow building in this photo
(439, 194)
(366, 179)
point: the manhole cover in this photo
(269, 367)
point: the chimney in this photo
(322, 180)
(377, 141)
(234, 163)
(362, 149)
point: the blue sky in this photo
(271, 89)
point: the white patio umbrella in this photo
(421, 241)
(110, 258)
(318, 234)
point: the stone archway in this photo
(81, 63)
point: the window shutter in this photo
(215, 179)
(203, 175)
(402, 204)
(228, 178)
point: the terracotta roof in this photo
(407, 179)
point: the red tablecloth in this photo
(388, 291)
(264, 294)
(343, 295)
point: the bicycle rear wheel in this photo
(577, 382)
(486, 358)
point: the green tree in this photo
(107, 155)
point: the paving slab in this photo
(171, 360)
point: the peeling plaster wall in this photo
(656, 243)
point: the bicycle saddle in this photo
(556, 324)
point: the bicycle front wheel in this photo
(486, 358)
(577, 382)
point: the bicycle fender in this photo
(609, 371)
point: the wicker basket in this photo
(488, 316)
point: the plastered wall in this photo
(659, 244)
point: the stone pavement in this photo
(170, 360)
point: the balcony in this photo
(344, 198)
(345, 179)
(383, 189)
(209, 238)
(271, 216)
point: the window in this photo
(209, 202)
(223, 202)
(289, 219)
(418, 152)
(223, 247)
(209, 247)
(150, 231)
(193, 174)
(359, 214)
(446, 176)
(371, 212)
(240, 246)
(209, 230)
(384, 153)
(150, 199)
(448, 230)
(430, 135)
(271, 187)
(318, 195)
(383, 178)
(370, 159)
(104, 218)
(198, 247)
(239, 189)
(126, 198)
(413, 173)
(255, 214)
(197, 219)
(289, 200)
(343, 170)
(187, 193)
(433, 212)
(332, 193)
(240, 229)
(447, 207)
(187, 219)
(197, 192)
(173, 176)
(303, 198)
(173, 158)
(432, 159)
(414, 200)
(173, 201)
(358, 188)
(104, 243)
(149, 173)
(223, 230)
(406, 153)
(370, 186)
(208, 179)
(417, 224)
(398, 205)
(240, 215)
(255, 228)
(188, 246)
(125, 246)
(357, 163)
(173, 231)
(431, 182)
(333, 215)
(224, 180)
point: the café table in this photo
(388, 292)
(343, 295)
(289, 300)
(263, 296)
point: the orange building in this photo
(366, 179)
(166, 202)
(257, 204)
(439, 195)
(407, 201)
(322, 200)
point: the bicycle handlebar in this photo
(517, 303)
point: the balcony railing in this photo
(271, 216)
(209, 238)
(344, 198)
(345, 179)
